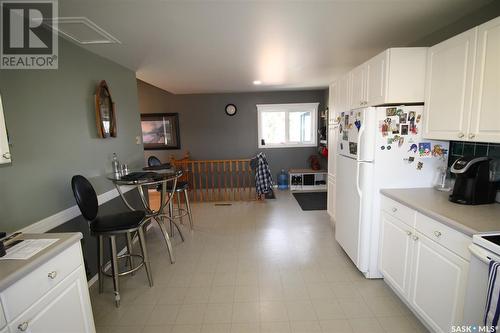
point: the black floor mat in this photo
(311, 200)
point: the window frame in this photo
(287, 108)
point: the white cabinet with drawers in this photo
(426, 263)
(53, 297)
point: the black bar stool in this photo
(111, 226)
(181, 187)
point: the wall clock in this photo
(231, 109)
(104, 111)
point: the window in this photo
(287, 125)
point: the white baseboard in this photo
(70, 213)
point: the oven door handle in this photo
(480, 253)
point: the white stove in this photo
(484, 248)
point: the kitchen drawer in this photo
(449, 238)
(33, 286)
(399, 211)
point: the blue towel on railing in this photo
(492, 310)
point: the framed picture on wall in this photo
(160, 131)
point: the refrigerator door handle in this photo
(358, 188)
(360, 135)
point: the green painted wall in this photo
(51, 123)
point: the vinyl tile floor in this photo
(252, 267)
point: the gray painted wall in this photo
(208, 133)
(51, 123)
(465, 23)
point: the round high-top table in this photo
(158, 178)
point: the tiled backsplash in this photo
(459, 149)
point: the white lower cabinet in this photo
(428, 274)
(53, 298)
(63, 309)
(438, 287)
(396, 251)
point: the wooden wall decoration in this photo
(105, 111)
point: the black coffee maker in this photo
(473, 185)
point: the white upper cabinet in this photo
(376, 87)
(450, 67)
(485, 114)
(463, 86)
(394, 76)
(4, 144)
(358, 87)
(338, 98)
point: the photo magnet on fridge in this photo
(404, 129)
(438, 151)
(401, 141)
(411, 116)
(413, 148)
(346, 120)
(424, 149)
(384, 128)
(353, 148)
(345, 135)
(403, 117)
(420, 165)
(390, 112)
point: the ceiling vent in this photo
(83, 31)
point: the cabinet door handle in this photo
(6, 155)
(461, 135)
(23, 326)
(437, 233)
(472, 136)
(52, 275)
(415, 238)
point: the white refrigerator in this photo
(378, 147)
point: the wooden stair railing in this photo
(218, 180)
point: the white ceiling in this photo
(222, 46)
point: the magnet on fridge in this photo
(390, 112)
(357, 123)
(420, 165)
(340, 128)
(413, 148)
(438, 151)
(341, 146)
(401, 141)
(382, 147)
(418, 118)
(389, 147)
(424, 149)
(350, 126)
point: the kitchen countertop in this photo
(12, 271)
(467, 219)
